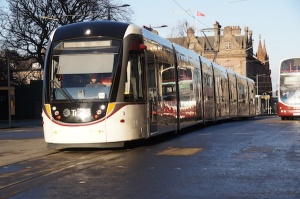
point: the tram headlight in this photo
(98, 112)
(57, 115)
(87, 32)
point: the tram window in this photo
(134, 85)
(241, 92)
(168, 90)
(207, 80)
(191, 87)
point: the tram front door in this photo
(152, 95)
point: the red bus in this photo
(289, 89)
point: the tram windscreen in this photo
(290, 81)
(83, 69)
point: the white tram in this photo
(145, 86)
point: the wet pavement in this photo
(255, 158)
(5, 124)
(21, 140)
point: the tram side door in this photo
(152, 93)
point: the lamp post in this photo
(257, 75)
(8, 87)
(259, 102)
(110, 7)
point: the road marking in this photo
(180, 151)
(204, 134)
(15, 130)
(243, 133)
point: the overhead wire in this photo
(190, 14)
(202, 31)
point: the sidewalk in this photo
(21, 140)
(20, 123)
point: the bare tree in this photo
(179, 33)
(27, 24)
(182, 27)
(3, 69)
(20, 69)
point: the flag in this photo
(199, 14)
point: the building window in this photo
(228, 46)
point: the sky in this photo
(276, 21)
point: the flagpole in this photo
(196, 31)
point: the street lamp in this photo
(162, 26)
(110, 7)
(50, 18)
(152, 30)
(248, 48)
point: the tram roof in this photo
(150, 36)
(112, 29)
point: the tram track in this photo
(21, 176)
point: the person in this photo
(93, 82)
(285, 95)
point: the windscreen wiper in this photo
(63, 91)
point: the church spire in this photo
(265, 52)
(264, 48)
(260, 52)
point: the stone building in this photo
(233, 50)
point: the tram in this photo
(145, 86)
